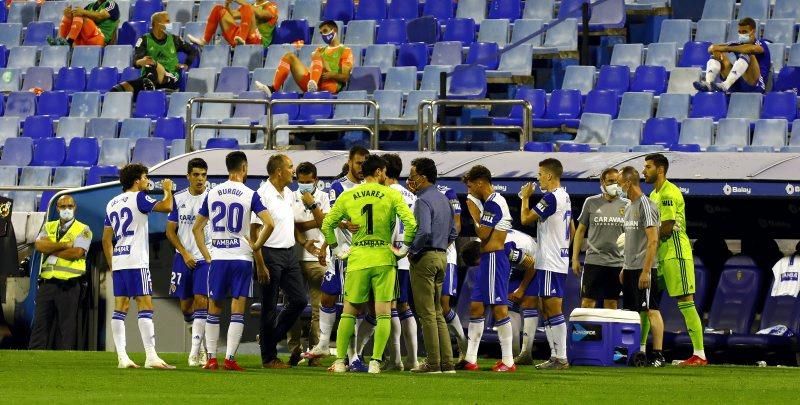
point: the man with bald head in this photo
(63, 244)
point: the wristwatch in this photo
(312, 207)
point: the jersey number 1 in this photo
(367, 210)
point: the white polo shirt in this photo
(301, 214)
(280, 206)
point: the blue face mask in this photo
(329, 37)
(306, 188)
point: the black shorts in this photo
(634, 299)
(600, 282)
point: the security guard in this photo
(64, 244)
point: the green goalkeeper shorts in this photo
(379, 280)
(677, 276)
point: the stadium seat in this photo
(650, 79)
(116, 105)
(570, 9)
(144, 9)
(54, 56)
(580, 78)
(756, 9)
(505, 9)
(54, 104)
(413, 54)
(38, 126)
(629, 55)
(170, 128)
(602, 102)
(636, 106)
(20, 104)
(660, 131)
(49, 152)
(248, 56)
(52, 11)
(130, 32)
(745, 105)
(779, 30)
(124, 10)
(563, 108)
(222, 143)
(201, 135)
(36, 34)
(290, 110)
(538, 147)
(707, 104)
(593, 129)
(17, 152)
(769, 135)
(474, 9)
(215, 56)
(778, 310)
(780, 105)
(309, 113)
(401, 78)
(149, 151)
(118, 56)
(794, 139)
(150, 104)
(608, 15)
(390, 103)
(102, 79)
(494, 31)
(423, 29)
(574, 148)
(275, 53)
(536, 97)
(3, 55)
(363, 32)
(41, 77)
(11, 80)
(290, 31)
(381, 56)
(431, 77)
(788, 80)
(540, 10)
(114, 152)
(674, 105)
(677, 31)
(87, 57)
(101, 128)
(233, 79)
(71, 79)
(85, 104)
(342, 113)
(216, 110)
(134, 128)
(694, 54)
(305, 54)
(309, 10)
(712, 31)
(405, 9)
(624, 135)
(484, 54)
(460, 29)
(409, 116)
(439, 9)
(371, 10)
(250, 111)
(177, 104)
(562, 37)
(22, 57)
(732, 135)
(777, 52)
(339, 10)
(242, 136)
(201, 80)
(523, 28)
(97, 174)
(10, 34)
(785, 9)
(180, 10)
(468, 82)
(662, 54)
(9, 128)
(718, 9)
(446, 53)
(681, 79)
(366, 78)
(68, 176)
(71, 127)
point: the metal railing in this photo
(270, 130)
(428, 130)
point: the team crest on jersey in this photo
(622, 211)
(739, 275)
(5, 209)
(332, 194)
(87, 233)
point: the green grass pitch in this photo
(91, 377)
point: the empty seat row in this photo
(87, 57)
(779, 30)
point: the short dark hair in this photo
(275, 162)
(235, 160)
(394, 165)
(345, 169)
(358, 151)
(477, 172)
(747, 21)
(130, 173)
(307, 168)
(196, 163)
(471, 253)
(426, 167)
(630, 173)
(553, 166)
(608, 171)
(372, 164)
(658, 160)
(330, 23)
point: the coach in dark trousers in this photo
(277, 265)
(436, 230)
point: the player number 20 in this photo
(234, 214)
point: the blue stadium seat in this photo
(22, 57)
(252, 111)
(381, 56)
(11, 80)
(134, 128)
(688, 147)
(423, 29)
(401, 78)
(681, 79)
(114, 151)
(651, 79)
(636, 106)
(149, 151)
(309, 10)
(468, 82)
(339, 10)
(309, 113)
(233, 79)
(447, 53)
(291, 110)
(677, 31)
(779, 31)
(343, 113)
(71, 127)
(707, 104)
(625, 134)
(732, 135)
(694, 54)
(431, 77)
(673, 319)
(474, 9)
(574, 148)
(20, 104)
(564, 108)
(413, 54)
(222, 143)
(3, 55)
(780, 105)
(144, 9)
(9, 128)
(118, 56)
(38, 126)
(36, 33)
(362, 32)
(745, 105)
(674, 105)
(289, 31)
(507, 9)
(10, 34)
(562, 37)
(593, 129)
(494, 31)
(215, 56)
(54, 56)
(41, 77)
(365, 78)
(248, 56)
(778, 310)
(662, 54)
(371, 10)
(769, 135)
(661, 131)
(71, 79)
(794, 140)
(124, 10)
(484, 54)
(579, 77)
(788, 79)
(712, 31)
(17, 152)
(101, 128)
(602, 102)
(406, 9)
(570, 9)
(98, 174)
(130, 32)
(49, 152)
(629, 55)
(440, 9)
(615, 78)
(85, 104)
(536, 97)
(460, 29)
(87, 57)
(777, 53)
(538, 147)
(54, 104)
(102, 79)
(132, 73)
(170, 128)
(391, 32)
(718, 9)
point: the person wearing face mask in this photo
(257, 22)
(748, 73)
(310, 206)
(156, 54)
(330, 66)
(602, 215)
(63, 244)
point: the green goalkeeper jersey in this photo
(374, 208)
(671, 206)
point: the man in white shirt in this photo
(279, 261)
(310, 206)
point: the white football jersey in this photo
(517, 244)
(495, 213)
(399, 232)
(127, 214)
(301, 214)
(343, 236)
(786, 273)
(553, 231)
(452, 255)
(228, 207)
(185, 207)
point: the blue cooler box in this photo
(602, 337)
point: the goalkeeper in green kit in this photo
(371, 260)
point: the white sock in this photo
(504, 332)
(558, 329)
(530, 319)
(364, 332)
(516, 326)
(397, 331)
(548, 331)
(700, 353)
(474, 335)
(643, 348)
(327, 318)
(352, 351)
(739, 67)
(148, 332)
(712, 70)
(235, 330)
(454, 324)
(198, 331)
(118, 331)
(410, 336)
(212, 335)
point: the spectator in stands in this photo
(752, 66)
(330, 66)
(96, 24)
(156, 54)
(63, 243)
(256, 23)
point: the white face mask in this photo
(744, 38)
(66, 214)
(168, 27)
(612, 190)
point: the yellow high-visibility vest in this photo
(64, 269)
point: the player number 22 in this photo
(124, 218)
(367, 211)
